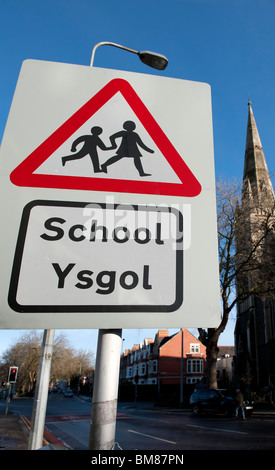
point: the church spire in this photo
(256, 176)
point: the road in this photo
(148, 428)
(180, 430)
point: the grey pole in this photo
(105, 392)
(105, 43)
(8, 398)
(104, 404)
(41, 392)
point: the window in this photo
(193, 380)
(194, 365)
(129, 372)
(194, 348)
(152, 368)
(142, 368)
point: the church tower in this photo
(255, 323)
(256, 180)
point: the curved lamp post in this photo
(153, 59)
(104, 407)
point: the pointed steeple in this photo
(256, 179)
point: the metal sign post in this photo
(104, 406)
(41, 392)
(8, 398)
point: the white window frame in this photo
(195, 348)
(194, 366)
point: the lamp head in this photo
(157, 61)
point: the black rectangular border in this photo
(92, 308)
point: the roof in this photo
(226, 351)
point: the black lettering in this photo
(121, 240)
(82, 276)
(142, 240)
(146, 284)
(109, 285)
(72, 233)
(158, 239)
(130, 285)
(95, 228)
(48, 225)
(62, 274)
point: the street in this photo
(146, 427)
(180, 430)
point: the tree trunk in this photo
(212, 351)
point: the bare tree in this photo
(68, 362)
(25, 354)
(245, 258)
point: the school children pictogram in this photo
(90, 145)
(129, 148)
(112, 143)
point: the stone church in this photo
(255, 323)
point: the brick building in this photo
(160, 361)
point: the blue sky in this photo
(229, 44)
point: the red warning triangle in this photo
(24, 174)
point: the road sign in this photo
(45, 166)
(108, 201)
(79, 257)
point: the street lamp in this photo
(153, 59)
(109, 340)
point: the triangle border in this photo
(23, 174)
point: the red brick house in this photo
(160, 361)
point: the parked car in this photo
(215, 401)
(68, 392)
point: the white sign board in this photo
(114, 258)
(108, 194)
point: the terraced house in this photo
(166, 360)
